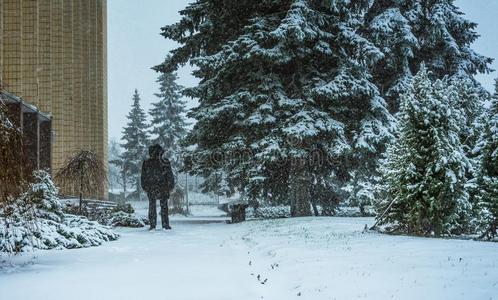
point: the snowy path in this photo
(324, 258)
(188, 262)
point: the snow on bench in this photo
(91, 203)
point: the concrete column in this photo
(31, 140)
(45, 146)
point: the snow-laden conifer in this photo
(135, 141)
(410, 32)
(168, 124)
(283, 83)
(424, 172)
(488, 172)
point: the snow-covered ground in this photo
(305, 258)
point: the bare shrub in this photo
(84, 172)
(12, 159)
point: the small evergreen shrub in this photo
(45, 225)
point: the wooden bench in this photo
(99, 204)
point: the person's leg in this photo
(164, 212)
(152, 211)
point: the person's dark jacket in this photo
(157, 176)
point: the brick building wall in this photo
(53, 55)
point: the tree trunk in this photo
(313, 196)
(138, 190)
(490, 233)
(124, 187)
(315, 208)
(81, 194)
(300, 197)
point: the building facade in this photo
(53, 55)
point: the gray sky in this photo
(134, 46)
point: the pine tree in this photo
(119, 169)
(488, 172)
(424, 172)
(113, 153)
(410, 32)
(168, 118)
(124, 168)
(281, 82)
(135, 141)
(470, 103)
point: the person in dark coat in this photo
(157, 181)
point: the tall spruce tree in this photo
(488, 172)
(283, 83)
(424, 173)
(135, 141)
(113, 154)
(470, 103)
(168, 124)
(410, 32)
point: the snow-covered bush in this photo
(45, 225)
(123, 215)
(123, 219)
(92, 213)
(283, 211)
(71, 232)
(271, 212)
(44, 195)
(355, 212)
(124, 207)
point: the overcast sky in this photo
(134, 46)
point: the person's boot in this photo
(152, 228)
(165, 224)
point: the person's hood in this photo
(156, 151)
